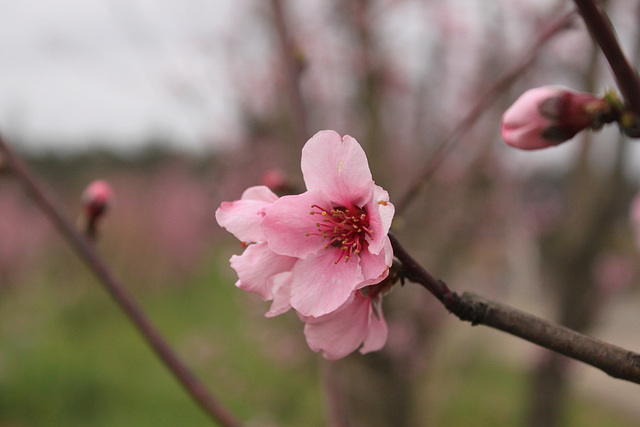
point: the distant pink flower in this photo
(359, 322)
(547, 116)
(275, 179)
(313, 250)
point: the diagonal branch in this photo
(615, 361)
(477, 110)
(122, 297)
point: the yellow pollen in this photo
(383, 203)
(307, 234)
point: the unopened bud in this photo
(95, 201)
(547, 116)
(276, 180)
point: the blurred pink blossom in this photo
(613, 273)
(96, 199)
(312, 251)
(275, 179)
(547, 116)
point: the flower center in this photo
(344, 228)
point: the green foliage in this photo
(69, 357)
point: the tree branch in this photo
(615, 361)
(603, 33)
(482, 104)
(293, 72)
(122, 297)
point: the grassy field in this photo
(68, 357)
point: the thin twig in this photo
(603, 33)
(615, 361)
(479, 108)
(292, 68)
(123, 298)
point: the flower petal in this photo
(242, 217)
(281, 290)
(377, 332)
(375, 267)
(287, 221)
(380, 212)
(337, 166)
(256, 265)
(339, 333)
(320, 285)
(259, 192)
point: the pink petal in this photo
(380, 212)
(375, 267)
(256, 265)
(287, 221)
(281, 290)
(320, 285)
(242, 217)
(377, 332)
(259, 192)
(337, 166)
(341, 332)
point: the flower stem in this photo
(122, 297)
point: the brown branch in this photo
(603, 33)
(615, 361)
(87, 252)
(293, 71)
(482, 104)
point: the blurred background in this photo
(182, 105)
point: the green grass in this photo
(69, 357)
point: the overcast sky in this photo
(75, 71)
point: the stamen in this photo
(346, 229)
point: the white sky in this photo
(77, 71)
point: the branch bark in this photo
(613, 360)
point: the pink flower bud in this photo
(275, 179)
(547, 116)
(95, 200)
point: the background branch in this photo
(615, 361)
(493, 93)
(122, 297)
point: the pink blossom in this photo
(337, 229)
(317, 251)
(357, 323)
(259, 268)
(547, 116)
